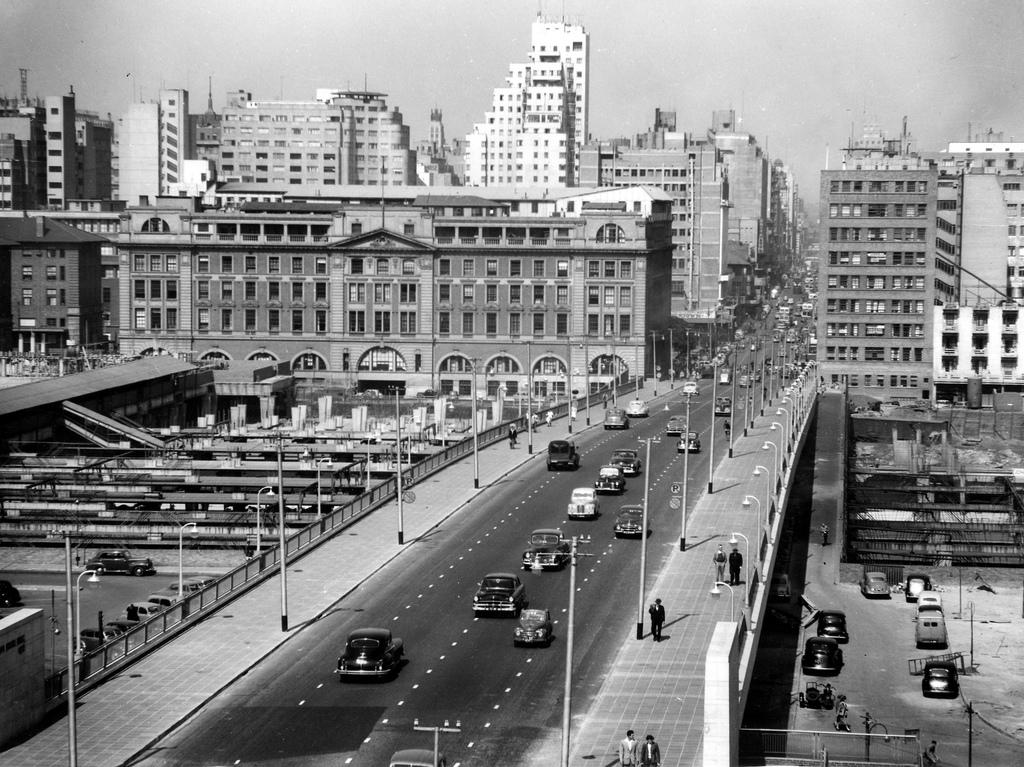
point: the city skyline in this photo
(801, 76)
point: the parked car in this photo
(615, 418)
(165, 597)
(500, 593)
(930, 630)
(416, 757)
(940, 679)
(874, 584)
(723, 406)
(140, 611)
(822, 656)
(690, 443)
(690, 388)
(915, 584)
(197, 582)
(549, 550)
(929, 600)
(630, 522)
(832, 623)
(534, 628)
(780, 591)
(627, 460)
(9, 595)
(371, 652)
(562, 454)
(676, 426)
(120, 561)
(610, 479)
(583, 503)
(91, 639)
(637, 409)
(426, 393)
(121, 625)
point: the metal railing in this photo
(823, 747)
(95, 666)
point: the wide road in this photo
(292, 709)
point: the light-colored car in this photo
(416, 757)
(583, 504)
(916, 583)
(637, 409)
(615, 418)
(874, 584)
(929, 600)
(676, 426)
(690, 388)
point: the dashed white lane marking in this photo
(302, 702)
(320, 685)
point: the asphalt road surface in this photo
(293, 710)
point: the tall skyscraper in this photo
(539, 120)
(153, 144)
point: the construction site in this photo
(935, 487)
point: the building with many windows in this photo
(408, 294)
(539, 120)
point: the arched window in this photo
(455, 363)
(382, 358)
(549, 366)
(309, 361)
(155, 224)
(262, 355)
(611, 233)
(503, 365)
(153, 351)
(215, 354)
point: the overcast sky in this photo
(798, 73)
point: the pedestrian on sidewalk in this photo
(720, 559)
(650, 754)
(512, 434)
(628, 748)
(657, 612)
(930, 757)
(735, 563)
(824, 534)
(548, 418)
(534, 420)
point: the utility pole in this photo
(437, 730)
(570, 635)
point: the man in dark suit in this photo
(650, 754)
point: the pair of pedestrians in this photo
(634, 754)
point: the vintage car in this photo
(873, 584)
(832, 623)
(615, 418)
(637, 409)
(534, 628)
(822, 656)
(929, 600)
(940, 679)
(549, 550)
(120, 561)
(583, 503)
(501, 594)
(9, 594)
(690, 388)
(780, 589)
(676, 426)
(92, 639)
(630, 522)
(371, 652)
(723, 406)
(916, 583)
(417, 757)
(562, 454)
(689, 443)
(610, 479)
(628, 460)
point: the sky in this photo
(800, 75)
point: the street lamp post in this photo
(711, 446)
(784, 442)
(686, 474)
(71, 649)
(732, 402)
(570, 635)
(319, 492)
(671, 362)
(529, 397)
(654, 359)
(717, 592)
(746, 504)
(746, 558)
(94, 577)
(259, 508)
(181, 547)
(586, 368)
(398, 471)
(768, 488)
(643, 539)
(283, 553)
(437, 730)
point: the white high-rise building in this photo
(154, 143)
(539, 120)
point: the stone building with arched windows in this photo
(411, 288)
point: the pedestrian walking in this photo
(657, 612)
(929, 755)
(534, 420)
(628, 750)
(548, 418)
(720, 560)
(824, 534)
(735, 563)
(650, 754)
(606, 400)
(513, 433)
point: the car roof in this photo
(946, 664)
(547, 531)
(624, 451)
(823, 613)
(533, 612)
(376, 633)
(559, 443)
(822, 641)
(501, 575)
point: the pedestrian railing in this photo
(97, 665)
(824, 747)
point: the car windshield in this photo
(498, 584)
(832, 620)
(545, 539)
(581, 495)
(624, 455)
(692, 436)
(558, 447)
(364, 643)
(939, 673)
(530, 616)
(610, 471)
(630, 515)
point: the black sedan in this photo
(822, 657)
(534, 628)
(940, 679)
(627, 460)
(549, 550)
(610, 479)
(371, 652)
(9, 595)
(832, 623)
(630, 522)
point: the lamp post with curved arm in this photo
(746, 504)
(94, 577)
(717, 592)
(784, 442)
(768, 495)
(778, 461)
(746, 558)
(788, 424)
(181, 547)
